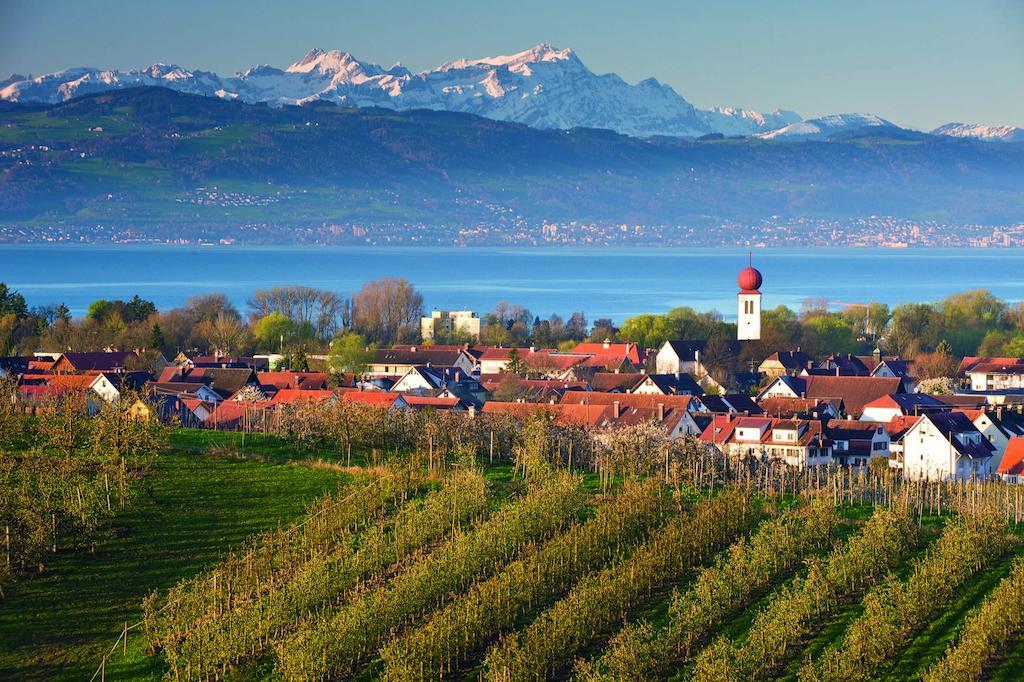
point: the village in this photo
(854, 411)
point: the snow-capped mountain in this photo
(981, 132)
(824, 127)
(544, 87)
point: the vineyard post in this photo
(53, 522)
(7, 542)
(125, 635)
(492, 447)
(106, 484)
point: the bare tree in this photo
(324, 310)
(387, 310)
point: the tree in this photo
(272, 331)
(967, 317)
(826, 334)
(510, 389)
(350, 353)
(222, 334)
(914, 327)
(323, 310)
(298, 362)
(11, 302)
(387, 310)
(514, 364)
(156, 338)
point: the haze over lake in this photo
(615, 283)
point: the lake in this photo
(614, 283)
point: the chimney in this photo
(616, 409)
(810, 364)
(607, 342)
(837, 370)
(412, 349)
(661, 412)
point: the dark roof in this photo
(15, 364)
(743, 403)
(132, 381)
(915, 403)
(856, 392)
(677, 384)
(417, 355)
(226, 381)
(952, 423)
(85, 362)
(791, 359)
(686, 350)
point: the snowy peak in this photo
(977, 131)
(543, 87)
(825, 126)
(543, 52)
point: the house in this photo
(797, 442)
(970, 362)
(780, 363)
(385, 400)
(428, 402)
(856, 442)
(676, 422)
(730, 403)
(855, 392)
(801, 408)
(666, 384)
(895, 367)
(894, 405)
(680, 357)
(303, 380)
(445, 323)
(997, 376)
(999, 426)
(232, 415)
(945, 446)
(114, 361)
(615, 382)
(619, 357)
(187, 390)
(424, 379)
(394, 362)
(681, 409)
(535, 390)
(1011, 469)
(14, 366)
(897, 429)
(845, 365)
(190, 414)
(226, 382)
(286, 396)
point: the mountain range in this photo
(154, 163)
(543, 87)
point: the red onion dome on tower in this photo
(749, 279)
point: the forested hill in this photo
(148, 158)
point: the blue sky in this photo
(918, 63)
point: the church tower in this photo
(748, 320)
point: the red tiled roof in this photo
(629, 351)
(969, 362)
(420, 401)
(376, 398)
(681, 402)
(899, 425)
(290, 395)
(1013, 458)
(606, 381)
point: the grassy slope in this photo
(57, 625)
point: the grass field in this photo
(211, 490)
(195, 507)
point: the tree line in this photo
(297, 320)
